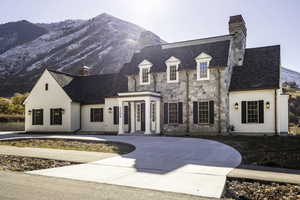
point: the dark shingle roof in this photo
(91, 89)
(186, 54)
(261, 70)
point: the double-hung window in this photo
(203, 112)
(56, 116)
(145, 67)
(37, 117)
(145, 75)
(96, 115)
(172, 69)
(203, 61)
(252, 111)
(203, 70)
(173, 113)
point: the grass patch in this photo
(273, 151)
(71, 144)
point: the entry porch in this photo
(143, 112)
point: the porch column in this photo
(132, 118)
(157, 113)
(147, 116)
(121, 120)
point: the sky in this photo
(269, 22)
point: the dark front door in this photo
(143, 116)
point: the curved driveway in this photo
(184, 165)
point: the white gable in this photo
(55, 92)
(145, 63)
(173, 59)
(203, 56)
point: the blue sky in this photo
(269, 22)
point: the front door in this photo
(143, 116)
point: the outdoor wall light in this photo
(236, 106)
(29, 112)
(109, 110)
(268, 105)
(62, 111)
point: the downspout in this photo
(187, 102)
(79, 119)
(154, 82)
(219, 101)
(134, 79)
(275, 124)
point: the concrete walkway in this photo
(266, 174)
(56, 154)
(184, 165)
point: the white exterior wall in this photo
(75, 116)
(283, 113)
(269, 114)
(55, 97)
(108, 118)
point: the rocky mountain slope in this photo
(103, 43)
(290, 76)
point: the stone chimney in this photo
(84, 71)
(238, 30)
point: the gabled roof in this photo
(91, 89)
(261, 70)
(217, 48)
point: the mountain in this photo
(103, 43)
(290, 76)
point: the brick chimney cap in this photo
(236, 19)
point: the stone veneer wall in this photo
(198, 90)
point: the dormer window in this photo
(145, 67)
(203, 66)
(172, 70)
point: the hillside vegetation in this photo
(12, 109)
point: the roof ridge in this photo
(262, 47)
(64, 73)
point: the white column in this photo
(132, 117)
(121, 120)
(147, 115)
(157, 118)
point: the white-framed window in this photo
(252, 112)
(145, 67)
(172, 70)
(203, 112)
(203, 61)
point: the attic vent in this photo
(46, 86)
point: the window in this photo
(46, 86)
(172, 113)
(173, 73)
(153, 112)
(203, 113)
(37, 117)
(96, 115)
(126, 114)
(138, 114)
(145, 75)
(56, 116)
(145, 72)
(203, 61)
(172, 69)
(203, 70)
(253, 111)
(116, 114)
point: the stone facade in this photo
(187, 90)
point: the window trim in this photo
(208, 115)
(247, 113)
(169, 114)
(101, 119)
(145, 65)
(52, 121)
(203, 58)
(172, 61)
(34, 123)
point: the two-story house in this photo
(208, 86)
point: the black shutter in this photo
(101, 114)
(166, 113)
(211, 112)
(195, 112)
(180, 113)
(116, 115)
(244, 112)
(91, 115)
(51, 117)
(261, 112)
(42, 117)
(33, 117)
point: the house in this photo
(208, 86)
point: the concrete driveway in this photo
(183, 165)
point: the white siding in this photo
(86, 124)
(55, 97)
(269, 114)
(75, 116)
(283, 113)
